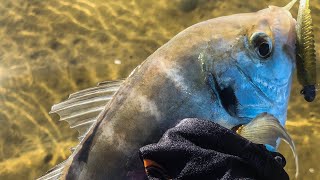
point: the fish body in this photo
(227, 70)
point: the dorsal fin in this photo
(81, 109)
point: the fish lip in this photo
(273, 83)
(254, 85)
(280, 84)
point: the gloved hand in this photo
(200, 149)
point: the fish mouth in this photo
(243, 111)
(262, 87)
(274, 105)
(256, 87)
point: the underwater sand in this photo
(49, 49)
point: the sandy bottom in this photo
(49, 49)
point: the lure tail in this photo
(306, 58)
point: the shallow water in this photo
(49, 49)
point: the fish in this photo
(227, 70)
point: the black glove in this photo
(200, 149)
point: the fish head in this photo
(258, 75)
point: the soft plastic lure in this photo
(306, 58)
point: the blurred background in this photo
(49, 49)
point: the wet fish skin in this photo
(187, 78)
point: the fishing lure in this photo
(306, 58)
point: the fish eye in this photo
(262, 44)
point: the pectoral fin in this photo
(266, 129)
